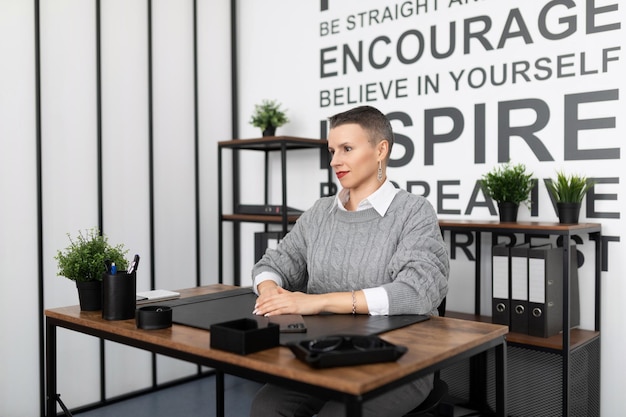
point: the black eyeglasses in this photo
(333, 343)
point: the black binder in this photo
(500, 268)
(264, 240)
(519, 289)
(545, 275)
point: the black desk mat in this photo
(206, 310)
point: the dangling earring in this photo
(380, 171)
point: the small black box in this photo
(244, 336)
(153, 317)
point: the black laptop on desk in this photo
(205, 310)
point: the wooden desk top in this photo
(429, 343)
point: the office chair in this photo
(430, 406)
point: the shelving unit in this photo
(266, 145)
(571, 341)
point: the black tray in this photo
(345, 350)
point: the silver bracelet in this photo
(353, 303)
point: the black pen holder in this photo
(119, 296)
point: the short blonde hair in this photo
(371, 120)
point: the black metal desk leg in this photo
(219, 393)
(501, 380)
(51, 369)
(478, 380)
(354, 407)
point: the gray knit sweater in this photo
(331, 250)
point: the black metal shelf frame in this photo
(545, 229)
(267, 145)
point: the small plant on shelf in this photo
(569, 189)
(568, 192)
(268, 116)
(509, 185)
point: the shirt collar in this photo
(379, 200)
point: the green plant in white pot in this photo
(508, 185)
(268, 116)
(568, 191)
(85, 260)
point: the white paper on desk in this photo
(156, 295)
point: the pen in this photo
(134, 264)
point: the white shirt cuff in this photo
(266, 276)
(377, 301)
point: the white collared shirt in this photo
(379, 200)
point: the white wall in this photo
(18, 212)
(590, 59)
(289, 71)
(69, 175)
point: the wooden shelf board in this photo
(519, 227)
(578, 337)
(258, 218)
(269, 143)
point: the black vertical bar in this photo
(196, 140)
(51, 367)
(478, 375)
(354, 407)
(478, 380)
(330, 171)
(234, 69)
(99, 116)
(324, 154)
(266, 176)
(220, 223)
(598, 241)
(151, 171)
(283, 169)
(196, 146)
(154, 370)
(566, 322)
(501, 380)
(102, 371)
(100, 169)
(151, 148)
(477, 263)
(236, 224)
(235, 134)
(219, 393)
(598, 276)
(40, 260)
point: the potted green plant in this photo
(568, 191)
(85, 260)
(509, 185)
(268, 116)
